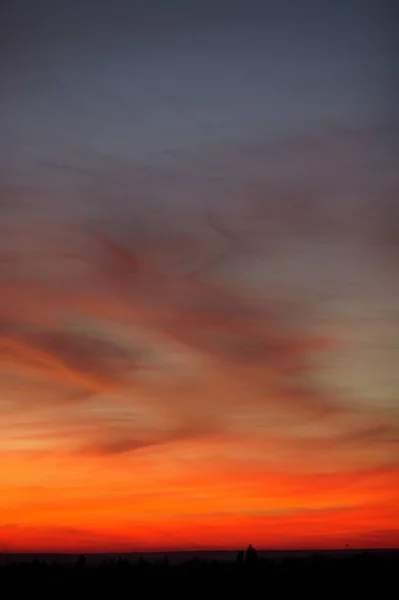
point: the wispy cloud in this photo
(198, 290)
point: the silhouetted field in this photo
(324, 574)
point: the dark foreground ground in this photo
(318, 575)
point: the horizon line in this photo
(208, 550)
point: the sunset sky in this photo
(199, 259)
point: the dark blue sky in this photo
(151, 81)
(182, 69)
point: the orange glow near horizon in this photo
(149, 422)
(165, 499)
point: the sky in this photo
(199, 257)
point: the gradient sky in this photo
(199, 258)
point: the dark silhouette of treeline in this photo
(319, 575)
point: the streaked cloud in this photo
(198, 280)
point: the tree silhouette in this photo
(240, 556)
(251, 556)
